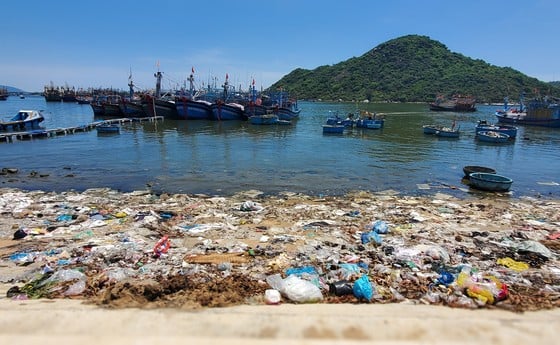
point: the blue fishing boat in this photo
(370, 120)
(189, 107)
(447, 132)
(24, 119)
(431, 129)
(266, 119)
(222, 110)
(110, 128)
(492, 137)
(333, 129)
(544, 112)
(370, 123)
(158, 104)
(490, 182)
(484, 126)
(336, 120)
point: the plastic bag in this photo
(295, 289)
(363, 289)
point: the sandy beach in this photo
(71, 321)
(443, 270)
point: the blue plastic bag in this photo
(363, 289)
(380, 227)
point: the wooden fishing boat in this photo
(490, 182)
(492, 137)
(469, 169)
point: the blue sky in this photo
(96, 43)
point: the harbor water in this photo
(228, 157)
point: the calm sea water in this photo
(227, 157)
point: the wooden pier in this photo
(9, 137)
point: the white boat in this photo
(24, 119)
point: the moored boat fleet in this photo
(210, 103)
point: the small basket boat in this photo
(469, 169)
(490, 182)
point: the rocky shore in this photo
(192, 251)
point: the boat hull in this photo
(158, 107)
(527, 120)
(370, 124)
(132, 109)
(431, 129)
(447, 134)
(227, 112)
(333, 129)
(193, 110)
(469, 169)
(492, 137)
(511, 131)
(490, 182)
(264, 119)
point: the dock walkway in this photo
(47, 133)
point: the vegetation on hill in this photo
(411, 69)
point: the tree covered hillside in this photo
(411, 69)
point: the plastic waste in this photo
(445, 278)
(162, 246)
(272, 296)
(295, 289)
(380, 227)
(367, 237)
(518, 266)
(363, 289)
(250, 206)
(341, 288)
(19, 234)
(485, 288)
(299, 271)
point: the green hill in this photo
(410, 69)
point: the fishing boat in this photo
(370, 123)
(266, 119)
(544, 112)
(457, 103)
(52, 93)
(492, 137)
(490, 182)
(431, 129)
(111, 128)
(484, 126)
(223, 110)
(158, 104)
(189, 107)
(333, 129)
(285, 107)
(227, 111)
(446, 132)
(370, 120)
(469, 169)
(336, 120)
(3, 93)
(24, 119)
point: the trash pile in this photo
(190, 251)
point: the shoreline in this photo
(250, 236)
(70, 321)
